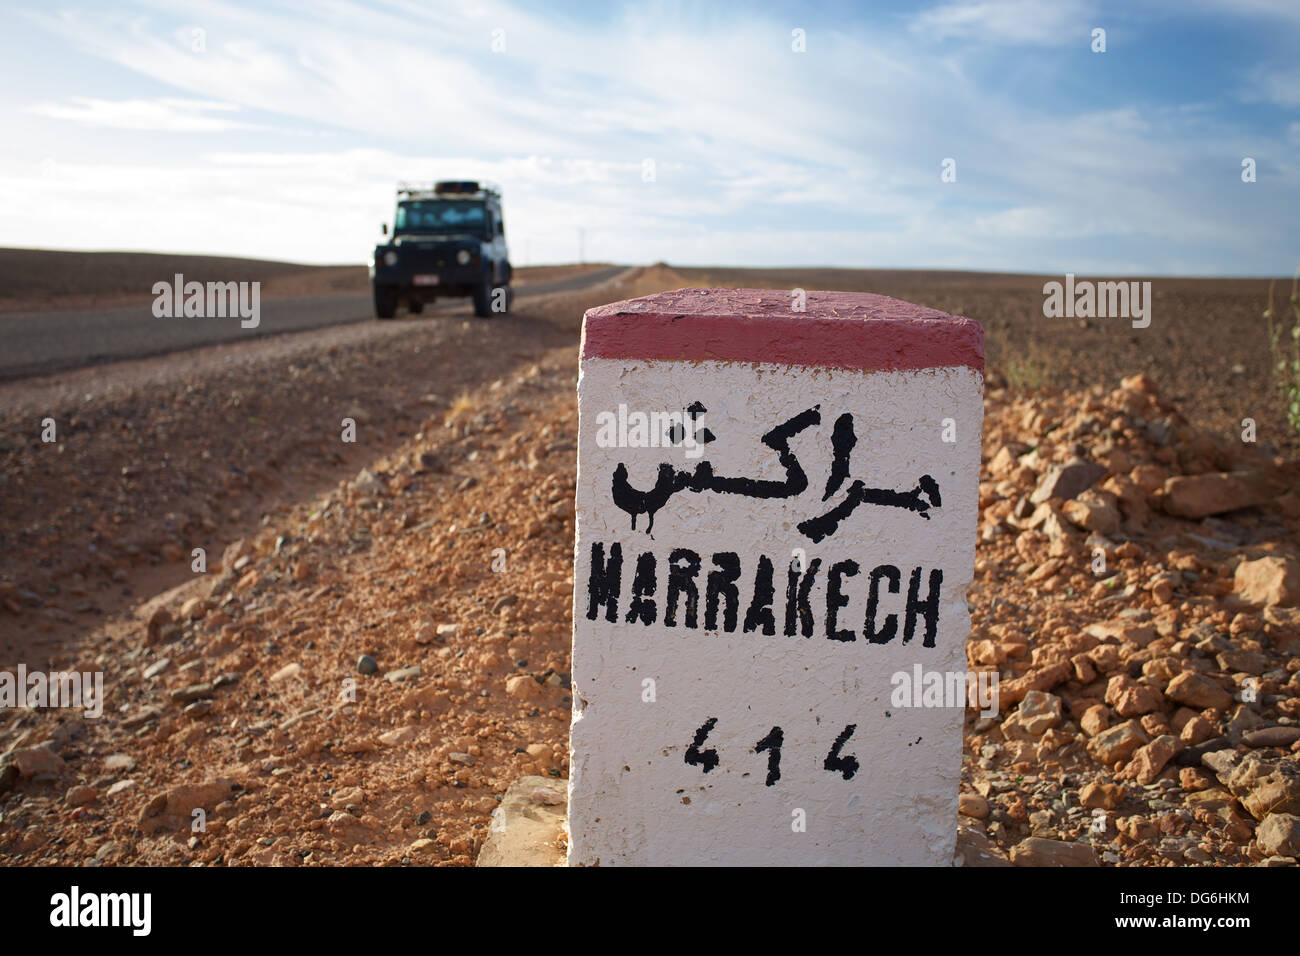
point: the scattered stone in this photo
(156, 668)
(193, 692)
(367, 664)
(1279, 834)
(141, 717)
(1039, 712)
(287, 672)
(80, 795)
(1243, 721)
(1267, 788)
(1271, 737)
(1106, 796)
(1269, 581)
(1197, 691)
(1095, 719)
(1199, 496)
(365, 482)
(1193, 779)
(297, 718)
(1149, 761)
(395, 738)
(235, 551)
(1132, 699)
(345, 797)
(1036, 851)
(1121, 632)
(1191, 757)
(158, 620)
(972, 805)
(465, 760)
(1238, 660)
(119, 787)
(1093, 511)
(342, 823)
(171, 810)
(31, 761)
(505, 601)
(523, 687)
(402, 673)
(974, 849)
(194, 609)
(1040, 678)
(1067, 480)
(1118, 743)
(546, 797)
(1222, 761)
(199, 708)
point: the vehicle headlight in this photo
(463, 257)
(390, 258)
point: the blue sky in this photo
(278, 130)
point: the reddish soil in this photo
(442, 539)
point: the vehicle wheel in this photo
(415, 306)
(483, 299)
(509, 296)
(385, 302)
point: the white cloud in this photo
(1012, 22)
(762, 155)
(167, 114)
(1280, 86)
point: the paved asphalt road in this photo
(42, 342)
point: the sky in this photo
(697, 134)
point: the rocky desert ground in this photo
(378, 643)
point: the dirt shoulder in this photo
(1139, 621)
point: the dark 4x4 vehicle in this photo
(449, 239)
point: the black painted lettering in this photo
(835, 600)
(722, 583)
(797, 589)
(760, 606)
(772, 744)
(695, 757)
(605, 582)
(929, 608)
(886, 633)
(846, 765)
(683, 569)
(643, 607)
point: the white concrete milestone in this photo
(776, 514)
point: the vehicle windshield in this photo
(440, 216)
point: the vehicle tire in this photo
(483, 299)
(509, 294)
(385, 301)
(416, 307)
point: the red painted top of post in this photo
(856, 330)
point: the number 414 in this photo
(846, 765)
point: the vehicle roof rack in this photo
(448, 188)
